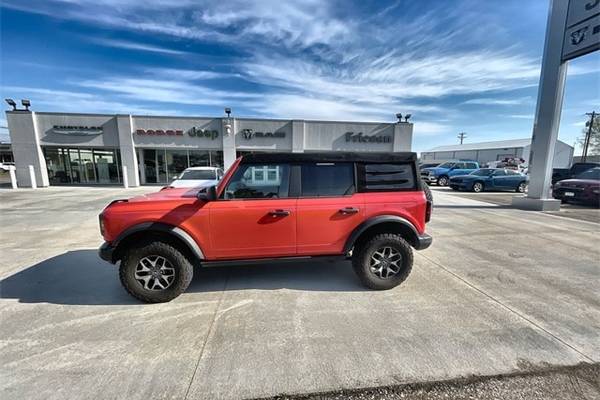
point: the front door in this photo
(328, 207)
(255, 218)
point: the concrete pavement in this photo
(499, 291)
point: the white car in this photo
(198, 177)
(7, 166)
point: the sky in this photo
(457, 66)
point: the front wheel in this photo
(383, 262)
(443, 181)
(478, 187)
(155, 272)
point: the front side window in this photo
(327, 179)
(483, 172)
(258, 181)
(471, 165)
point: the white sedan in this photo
(198, 177)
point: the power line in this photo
(588, 135)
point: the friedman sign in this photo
(362, 138)
(192, 132)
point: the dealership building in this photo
(485, 152)
(85, 149)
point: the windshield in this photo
(447, 165)
(483, 172)
(198, 174)
(593, 174)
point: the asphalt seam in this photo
(208, 335)
(509, 309)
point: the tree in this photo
(594, 147)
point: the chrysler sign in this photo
(77, 130)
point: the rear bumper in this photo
(423, 241)
(106, 252)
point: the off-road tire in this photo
(427, 190)
(443, 181)
(362, 255)
(183, 272)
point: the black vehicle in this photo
(559, 174)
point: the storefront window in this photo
(199, 158)
(82, 166)
(177, 161)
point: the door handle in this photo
(279, 213)
(348, 210)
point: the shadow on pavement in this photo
(475, 206)
(81, 278)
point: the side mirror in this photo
(208, 194)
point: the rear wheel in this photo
(383, 262)
(522, 187)
(443, 181)
(478, 187)
(155, 272)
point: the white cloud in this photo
(521, 116)
(80, 102)
(501, 101)
(424, 128)
(124, 44)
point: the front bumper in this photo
(423, 241)
(578, 194)
(429, 178)
(106, 252)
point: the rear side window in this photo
(386, 177)
(327, 179)
(471, 166)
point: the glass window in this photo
(150, 166)
(592, 174)
(57, 169)
(327, 179)
(258, 182)
(447, 165)
(374, 177)
(216, 158)
(482, 172)
(107, 166)
(198, 174)
(199, 158)
(499, 172)
(471, 165)
(177, 161)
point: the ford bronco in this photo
(367, 207)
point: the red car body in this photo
(244, 229)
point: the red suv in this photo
(368, 207)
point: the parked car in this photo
(6, 166)
(585, 187)
(198, 177)
(559, 174)
(442, 173)
(491, 179)
(369, 208)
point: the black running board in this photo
(262, 261)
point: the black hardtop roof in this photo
(330, 156)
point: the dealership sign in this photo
(362, 138)
(192, 132)
(250, 134)
(77, 130)
(582, 30)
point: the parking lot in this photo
(500, 291)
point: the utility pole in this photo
(588, 135)
(461, 136)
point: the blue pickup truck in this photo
(442, 173)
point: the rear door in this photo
(500, 180)
(328, 207)
(256, 216)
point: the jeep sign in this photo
(203, 133)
